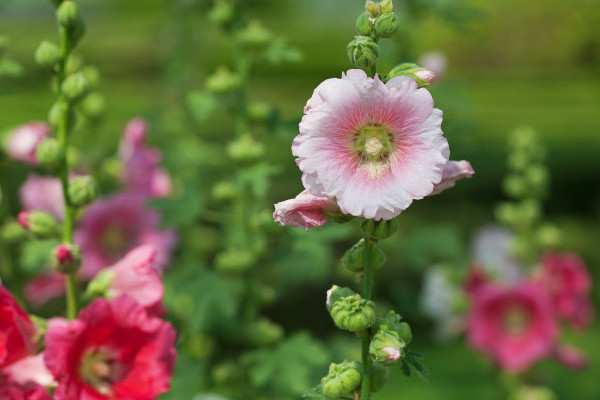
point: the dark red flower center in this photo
(515, 320)
(100, 369)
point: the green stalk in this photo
(366, 335)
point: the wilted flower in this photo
(514, 325)
(113, 350)
(43, 193)
(374, 147)
(16, 330)
(114, 225)
(23, 141)
(453, 172)
(304, 211)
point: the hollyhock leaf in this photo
(188, 377)
(35, 254)
(179, 210)
(412, 360)
(405, 368)
(315, 393)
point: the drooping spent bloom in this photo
(24, 140)
(514, 325)
(114, 225)
(16, 330)
(43, 193)
(373, 147)
(569, 283)
(13, 390)
(142, 164)
(304, 211)
(113, 350)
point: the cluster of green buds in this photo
(8, 66)
(526, 185)
(349, 310)
(378, 21)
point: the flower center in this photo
(372, 146)
(515, 321)
(114, 241)
(100, 370)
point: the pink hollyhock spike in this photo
(374, 147)
(113, 226)
(453, 172)
(16, 330)
(24, 140)
(12, 390)
(304, 211)
(43, 193)
(513, 325)
(30, 370)
(569, 283)
(44, 288)
(136, 276)
(113, 350)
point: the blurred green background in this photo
(510, 63)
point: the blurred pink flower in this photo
(43, 193)
(44, 288)
(304, 211)
(371, 146)
(136, 276)
(142, 171)
(453, 172)
(514, 325)
(435, 61)
(30, 370)
(24, 140)
(12, 390)
(571, 357)
(114, 225)
(568, 281)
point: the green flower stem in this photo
(366, 334)
(63, 138)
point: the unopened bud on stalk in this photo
(379, 377)
(222, 12)
(342, 379)
(40, 223)
(234, 260)
(222, 81)
(255, 35)
(377, 8)
(392, 323)
(224, 191)
(422, 76)
(386, 25)
(12, 232)
(82, 190)
(354, 258)
(386, 347)
(264, 332)
(259, 112)
(363, 52)
(66, 258)
(47, 54)
(364, 24)
(336, 293)
(91, 75)
(353, 313)
(245, 148)
(67, 14)
(379, 229)
(93, 105)
(74, 87)
(49, 153)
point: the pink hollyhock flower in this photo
(24, 140)
(44, 288)
(304, 211)
(12, 390)
(571, 357)
(514, 325)
(113, 350)
(16, 330)
(114, 225)
(30, 370)
(453, 172)
(136, 276)
(142, 171)
(568, 281)
(43, 193)
(371, 146)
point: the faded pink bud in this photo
(425, 75)
(453, 172)
(393, 353)
(571, 357)
(24, 140)
(304, 211)
(435, 61)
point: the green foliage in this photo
(181, 209)
(412, 361)
(35, 254)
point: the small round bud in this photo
(66, 258)
(224, 191)
(533, 393)
(380, 229)
(227, 372)
(354, 258)
(363, 52)
(336, 293)
(222, 12)
(353, 313)
(47, 54)
(255, 35)
(364, 24)
(379, 377)
(342, 379)
(422, 76)
(515, 186)
(93, 105)
(74, 87)
(222, 81)
(49, 153)
(234, 260)
(40, 223)
(378, 8)
(12, 232)
(54, 115)
(92, 76)
(67, 14)
(392, 323)
(259, 112)
(82, 190)
(245, 148)
(506, 213)
(548, 235)
(386, 347)
(264, 332)
(386, 25)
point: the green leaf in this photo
(36, 254)
(411, 359)
(315, 393)
(405, 368)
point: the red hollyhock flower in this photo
(113, 350)
(16, 330)
(12, 390)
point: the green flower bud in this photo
(392, 323)
(537, 176)
(422, 76)
(67, 14)
(506, 213)
(227, 372)
(336, 293)
(234, 260)
(82, 190)
(529, 210)
(264, 332)
(76, 33)
(364, 25)
(363, 52)
(259, 112)
(386, 26)
(379, 229)
(74, 87)
(98, 286)
(515, 186)
(66, 258)
(40, 223)
(342, 379)
(379, 377)
(353, 313)
(91, 75)
(93, 105)
(55, 113)
(548, 235)
(49, 153)
(222, 81)
(404, 332)
(48, 54)
(221, 13)
(386, 347)
(255, 35)
(224, 191)
(354, 258)
(12, 232)
(74, 64)
(377, 8)
(245, 148)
